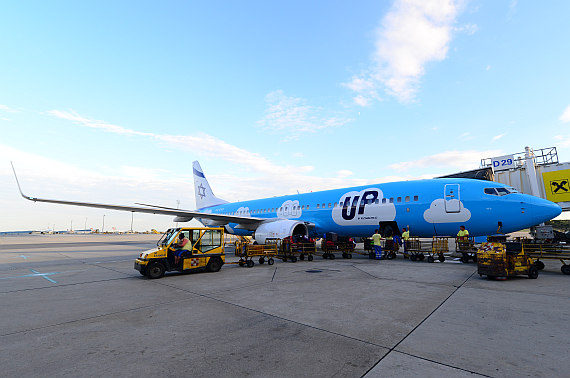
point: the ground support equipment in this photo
(495, 259)
(544, 251)
(291, 251)
(332, 243)
(439, 246)
(467, 248)
(246, 252)
(416, 249)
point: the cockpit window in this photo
(500, 191)
(503, 191)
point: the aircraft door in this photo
(452, 200)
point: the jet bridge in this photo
(537, 172)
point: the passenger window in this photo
(407, 198)
(391, 199)
(330, 205)
(399, 199)
(376, 201)
(307, 207)
(317, 205)
(416, 198)
(341, 204)
(323, 205)
(383, 200)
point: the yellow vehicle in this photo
(205, 252)
(503, 260)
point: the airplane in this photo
(432, 207)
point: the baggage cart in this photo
(548, 251)
(467, 248)
(332, 243)
(246, 252)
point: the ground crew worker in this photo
(463, 234)
(405, 237)
(377, 242)
(181, 246)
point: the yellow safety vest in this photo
(376, 238)
(406, 235)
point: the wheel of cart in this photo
(415, 249)
(246, 252)
(466, 247)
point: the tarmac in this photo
(75, 306)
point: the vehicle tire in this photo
(261, 260)
(441, 258)
(332, 256)
(250, 263)
(464, 259)
(294, 259)
(302, 257)
(349, 256)
(430, 259)
(533, 272)
(310, 257)
(214, 265)
(422, 257)
(565, 269)
(241, 262)
(539, 264)
(413, 258)
(155, 270)
(325, 256)
(474, 258)
(270, 261)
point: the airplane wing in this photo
(183, 215)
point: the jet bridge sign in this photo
(557, 185)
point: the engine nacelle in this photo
(280, 229)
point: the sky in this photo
(111, 101)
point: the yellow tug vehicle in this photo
(495, 259)
(203, 251)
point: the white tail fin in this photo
(204, 195)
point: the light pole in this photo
(132, 215)
(103, 228)
(178, 207)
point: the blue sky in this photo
(111, 101)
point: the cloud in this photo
(411, 35)
(293, 116)
(344, 173)
(497, 137)
(563, 141)
(565, 117)
(8, 109)
(438, 214)
(458, 159)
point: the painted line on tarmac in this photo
(35, 273)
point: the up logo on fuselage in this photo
(363, 208)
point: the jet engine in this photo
(280, 229)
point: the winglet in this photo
(18, 182)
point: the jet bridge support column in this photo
(531, 172)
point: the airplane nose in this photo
(545, 210)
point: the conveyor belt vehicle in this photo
(206, 252)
